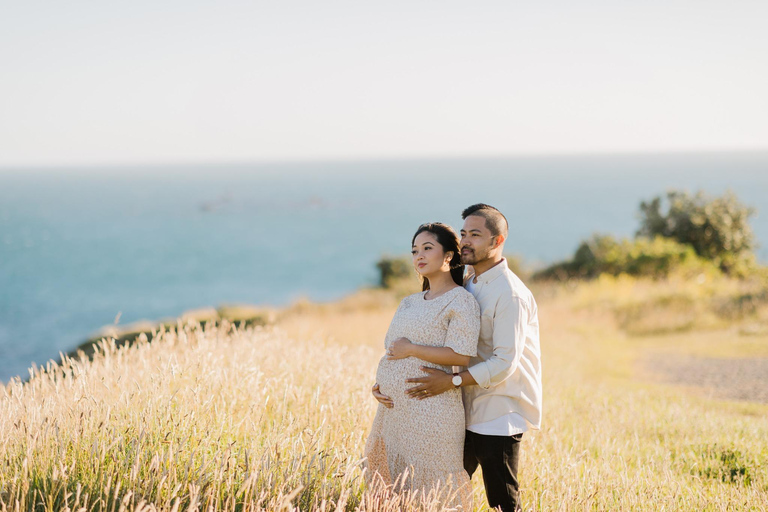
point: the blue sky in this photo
(87, 82)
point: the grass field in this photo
(275, 418)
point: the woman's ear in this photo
(448, 256)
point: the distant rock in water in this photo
(210, 206)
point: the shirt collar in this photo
(492, 273)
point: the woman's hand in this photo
(383, 399)
(400, 349)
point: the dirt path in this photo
(733, 379)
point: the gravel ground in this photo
(734, 379)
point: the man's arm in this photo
(436, 382)
(510, 319)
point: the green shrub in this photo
(726, 464)
(393, 269)
(656, 257)
(716, 227)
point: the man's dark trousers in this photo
(498, 457)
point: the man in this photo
(502, 386)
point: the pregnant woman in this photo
(419, 444)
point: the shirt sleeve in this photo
(509, 323)
(464, 326)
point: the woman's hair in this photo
(449, 240)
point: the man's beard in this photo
(468, 259)
(472, 257)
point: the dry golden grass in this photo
(360, 319)
(647, 307)
(613, 442)
(219, 418)
(214, 418)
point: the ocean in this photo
(78, 246)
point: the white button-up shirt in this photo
(508, 363)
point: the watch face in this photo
(456, 380)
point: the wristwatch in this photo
(456, 380)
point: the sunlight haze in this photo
(98, 82)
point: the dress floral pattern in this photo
(419, 444)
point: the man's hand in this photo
(433, 384)
(399, 349)
(383, 399)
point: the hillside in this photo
(275, 417)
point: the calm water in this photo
(77, 246)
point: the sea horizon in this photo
(80, 245)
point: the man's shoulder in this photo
(511, 288)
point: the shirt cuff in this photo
(480, 373)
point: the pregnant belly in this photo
(391, 376)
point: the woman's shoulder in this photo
(464, 301)
(413, 296)
(410, 299)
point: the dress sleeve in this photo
(392, 323)
(464, 326)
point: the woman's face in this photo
(428, 255)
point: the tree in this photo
(716, 227)
(392, 269)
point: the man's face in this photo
(476, 241)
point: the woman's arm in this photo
(402, 348)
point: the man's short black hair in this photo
(495, 221)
